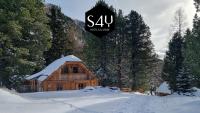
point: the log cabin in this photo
(66, 73)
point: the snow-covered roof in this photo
(42, 75)
(163, 88)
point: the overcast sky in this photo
(158, 14)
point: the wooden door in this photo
(59, 87)
(81, 85)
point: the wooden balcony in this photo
(74, 76)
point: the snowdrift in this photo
(95, 100)
(88, 91)
(197, 91)
(163, 88)
(7, 96)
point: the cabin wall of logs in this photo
(70, 76)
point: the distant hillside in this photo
(81, 24)
(74, 29)
(155, 74)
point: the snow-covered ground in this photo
(95, 100)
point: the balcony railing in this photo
(72, 77)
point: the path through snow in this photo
(101, 100)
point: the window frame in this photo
(75, 69)
(64, 70)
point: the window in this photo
(75, 69)
(59, 87)
(64, 70)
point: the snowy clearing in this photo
(98, 100)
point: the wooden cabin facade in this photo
(70, 74)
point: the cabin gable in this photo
(71, 71)
(69, 76)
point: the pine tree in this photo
(24, 36)
(116, 53)
(191, 56)
(106, 51)
(173, 61)
(192, 47)
(122, 79)
(91, 52)
(119, 52)
(183, 81)
(141, 49)
(103, 71)
(62, 44)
